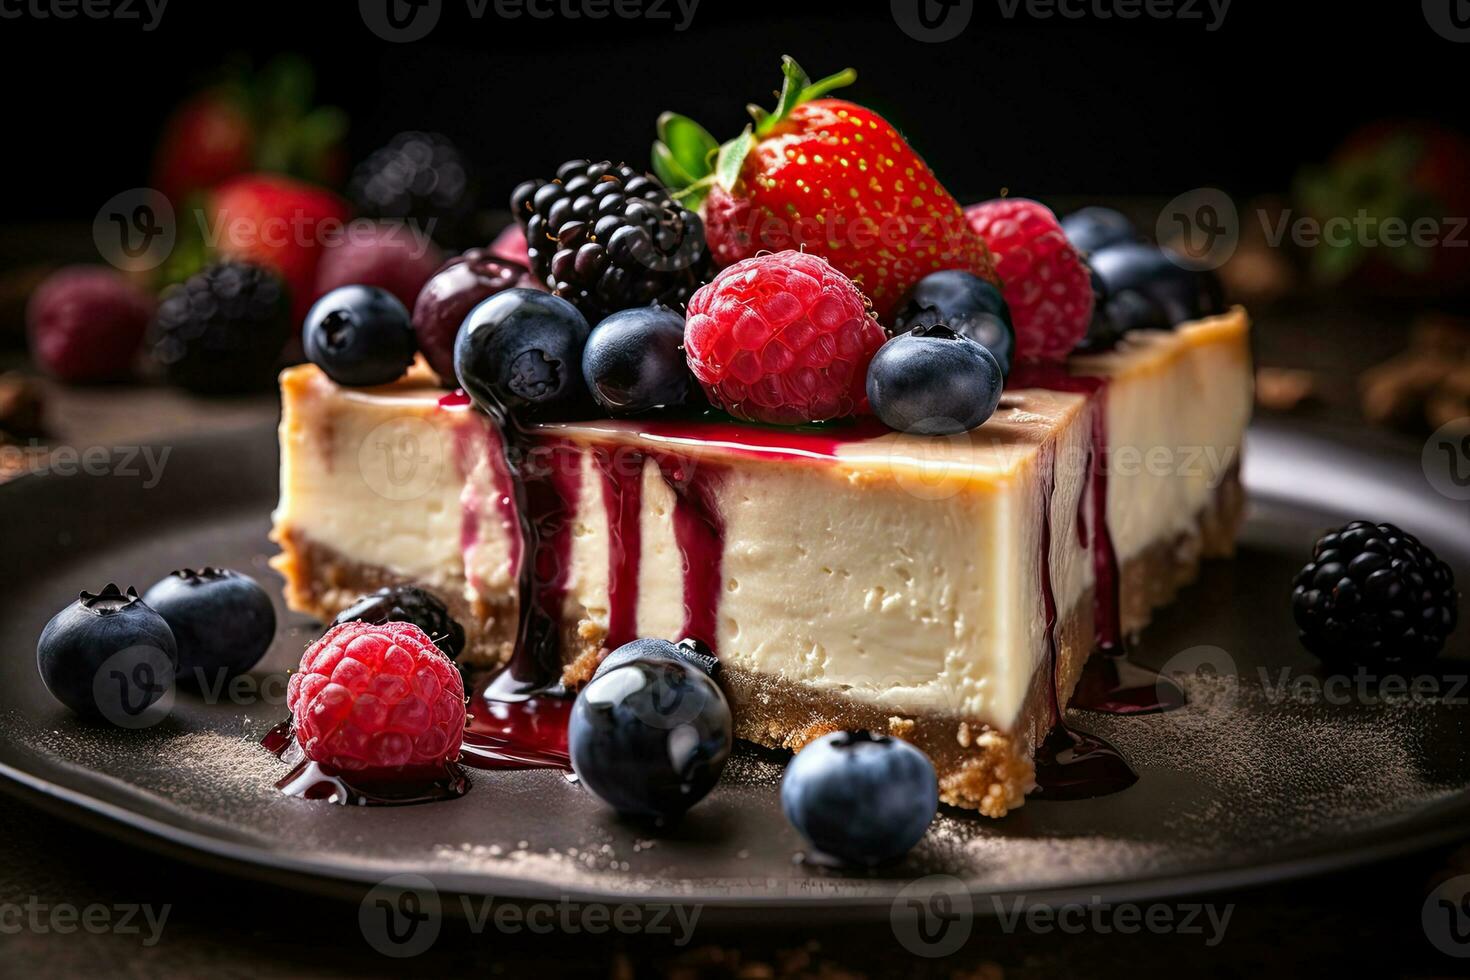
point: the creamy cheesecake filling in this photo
(896, 571)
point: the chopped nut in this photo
(1284, 389)
(20, 407)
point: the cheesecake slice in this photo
(944, 589)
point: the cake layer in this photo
(902, 577)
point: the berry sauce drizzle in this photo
(546, 473)
(699, 532)
(1110, 683)
(361, 787)
(622, 498)
(527, 734)
(1070, 764)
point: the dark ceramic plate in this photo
(1269, 772)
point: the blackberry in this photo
(406, 604)
(420, 177)
(1373, 593)
(222, 329)
(608, 238)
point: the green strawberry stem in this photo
(689, 161)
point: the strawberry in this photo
(255, 120)
(279, 223)
(828, 177)
(208, 139)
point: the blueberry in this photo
(519, 355)
(1092, 228)
(635, 361)
(1145, 288)
(360, 336)
(692, 652)
(965, 303)
(407, 604)
(861, 798)
(650, 736)
(931, 381)
(222, 621)
(108, 655)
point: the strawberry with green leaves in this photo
(825, 176)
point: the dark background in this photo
(1042, 107)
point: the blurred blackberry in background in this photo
(1373, 593)
(607, 238)
(419, 177)
(222, 329)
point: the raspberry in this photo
(374, 696)
(1045, 282)
(86, 323)
(782, 338)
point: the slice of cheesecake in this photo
(944, 589)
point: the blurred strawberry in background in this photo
(257, 120)
(276, 222)
(1388, 184)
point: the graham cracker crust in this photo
(321, 583)
(979, 767)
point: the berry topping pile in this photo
(607, 238)
(1373, 593)
(782, 338)
(651, 732)
(828, 176)
(377, 696)
(861, 798)
(1045, 281)
(222, 329)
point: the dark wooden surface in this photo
(222, 926)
